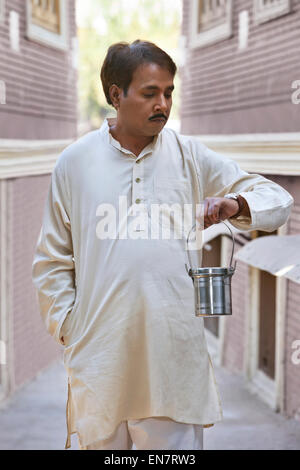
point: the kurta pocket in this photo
(66, 328)
(171, 195)
(171, 190)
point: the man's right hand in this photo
(217, 209)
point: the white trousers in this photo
(153, 434)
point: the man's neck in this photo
(132, 143)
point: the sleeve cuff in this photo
(267, 220)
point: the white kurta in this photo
(125, 305)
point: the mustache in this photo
(158, 116)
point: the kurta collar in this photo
(110, 140)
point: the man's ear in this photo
(114, 93)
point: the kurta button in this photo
(137, 201)
(137, 180)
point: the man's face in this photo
(149, 96)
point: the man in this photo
(123, 306)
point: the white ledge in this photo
(20, 158)
(277, 154)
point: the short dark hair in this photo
(122, 59)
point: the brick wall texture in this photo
(41, 95)
(225, 90)
(235, 339)
(33, 348)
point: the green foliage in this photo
(109, 21)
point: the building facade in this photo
(241, 96)
(38, 118)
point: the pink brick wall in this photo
(41, 94)
(235, 332)
(226, 91)
(292, 371)
(33, 347)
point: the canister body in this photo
(212, 292)
(212, 286)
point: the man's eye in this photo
(149, 96)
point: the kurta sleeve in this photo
(53, 270)
(270, 204)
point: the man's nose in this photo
(162, 104)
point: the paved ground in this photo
(35, 417)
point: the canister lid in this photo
(213, 271)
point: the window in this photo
(267, 316)
(267, 323)
(265, 10)
(211, 21)
(46, 14)
(47, 22)
(2, 7)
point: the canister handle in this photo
(188, 252)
